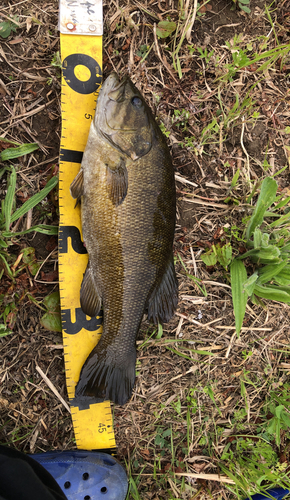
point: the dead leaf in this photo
(15, 41)
(28, 23)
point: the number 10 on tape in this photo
(81, 55)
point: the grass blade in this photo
(238, 278)
(24, 149)
(34, 200)
(8, 202)
(41, 228)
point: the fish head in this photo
(123, 117)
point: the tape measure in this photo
(81, 55)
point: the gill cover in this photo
(122, 118)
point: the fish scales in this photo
(128, 219)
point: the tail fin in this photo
(106, 377)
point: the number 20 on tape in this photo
(81, 80)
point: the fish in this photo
(128, 208)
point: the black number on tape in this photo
(73, 233)
(81, 321)
(89, 86)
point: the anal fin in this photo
(77, 186)
(117, 182)
(90, 299)
(163, 300)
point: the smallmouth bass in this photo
(128, 203)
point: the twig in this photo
(217, 284)
(205, 325)
(208, 204)
(191, 298)
(29, 113)
(42, 264)
(163, 60)
(51, 386)
(193, 262)
(230, 345)
(208, 477)
(184, 181)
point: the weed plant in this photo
(12, 265)
(268, 245)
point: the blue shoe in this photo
(278, 493)
(86, 475)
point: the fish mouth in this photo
(116, 93)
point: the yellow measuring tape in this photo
(81, 60)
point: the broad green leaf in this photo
(272, 292)
(249, 284)
(34, 200)
(9, 198)
(286, 248)
(271, 427)
(210, 257)
(269, 253)
(160, 331)
(278, 410)
(281, 280)
(286, 418)
(235, 178)
(268, 272)
(6, 27)
(4, 330)
(224, 254)
(238, 278)
(30, 259)
(266, 198)
(51, 320)
(24, 149)
(265, 240)
(257, 237)
(245, 9)
(165, 28)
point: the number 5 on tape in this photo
(80, 24)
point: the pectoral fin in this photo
(90, 298)
(163, 301)
(77, 186)
(117, 182)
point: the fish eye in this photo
(136, 101)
